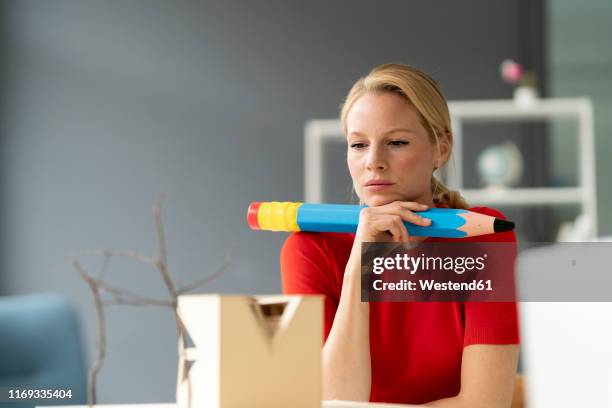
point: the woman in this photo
(445, 354)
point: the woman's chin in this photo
(378, 200)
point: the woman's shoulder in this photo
(494, 212)
(326, 242)
(305, 252)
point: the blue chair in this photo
(40, 347)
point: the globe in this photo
(500, 165)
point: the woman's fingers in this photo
(389, 219)
(398, 229)
(403, 231)
(413, 205)
(405, 210)
(392, 225)
(415, 218)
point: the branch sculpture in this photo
(101, 291)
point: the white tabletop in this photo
(326, 404)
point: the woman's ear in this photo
(444, 149)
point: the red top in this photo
(415, 347)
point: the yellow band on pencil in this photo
(278, 216)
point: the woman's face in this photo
(390, 155)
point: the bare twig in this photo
(121, 254)
(97, 365)
(222, 269)
(105, 265)
(161, 239)
(130, 302)
(120, 296)
(120, 293)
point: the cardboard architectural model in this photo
(251, 351)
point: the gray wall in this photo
(110, 103)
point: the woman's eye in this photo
(357, 145)
(398, 143)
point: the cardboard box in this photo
(251, 351)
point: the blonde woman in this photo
(442, 354)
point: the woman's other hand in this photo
(385, 223)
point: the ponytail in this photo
(443, 196)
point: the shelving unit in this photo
(317, 132)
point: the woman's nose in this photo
(376, 159)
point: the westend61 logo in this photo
(413, 264)
(438, 272)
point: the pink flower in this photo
(511, 71)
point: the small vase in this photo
(525, 96)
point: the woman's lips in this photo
(377, 187)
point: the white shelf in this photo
(524, 196)
(577, 109)
(503, 110)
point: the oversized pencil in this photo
(295, 216)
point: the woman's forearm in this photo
(346, 354)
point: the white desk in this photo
(353, 404)
(326, 404)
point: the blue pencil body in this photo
(345, 218)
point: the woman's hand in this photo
(385, 223)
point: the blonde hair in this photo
(425, 95)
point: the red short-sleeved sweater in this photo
(415, 347)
